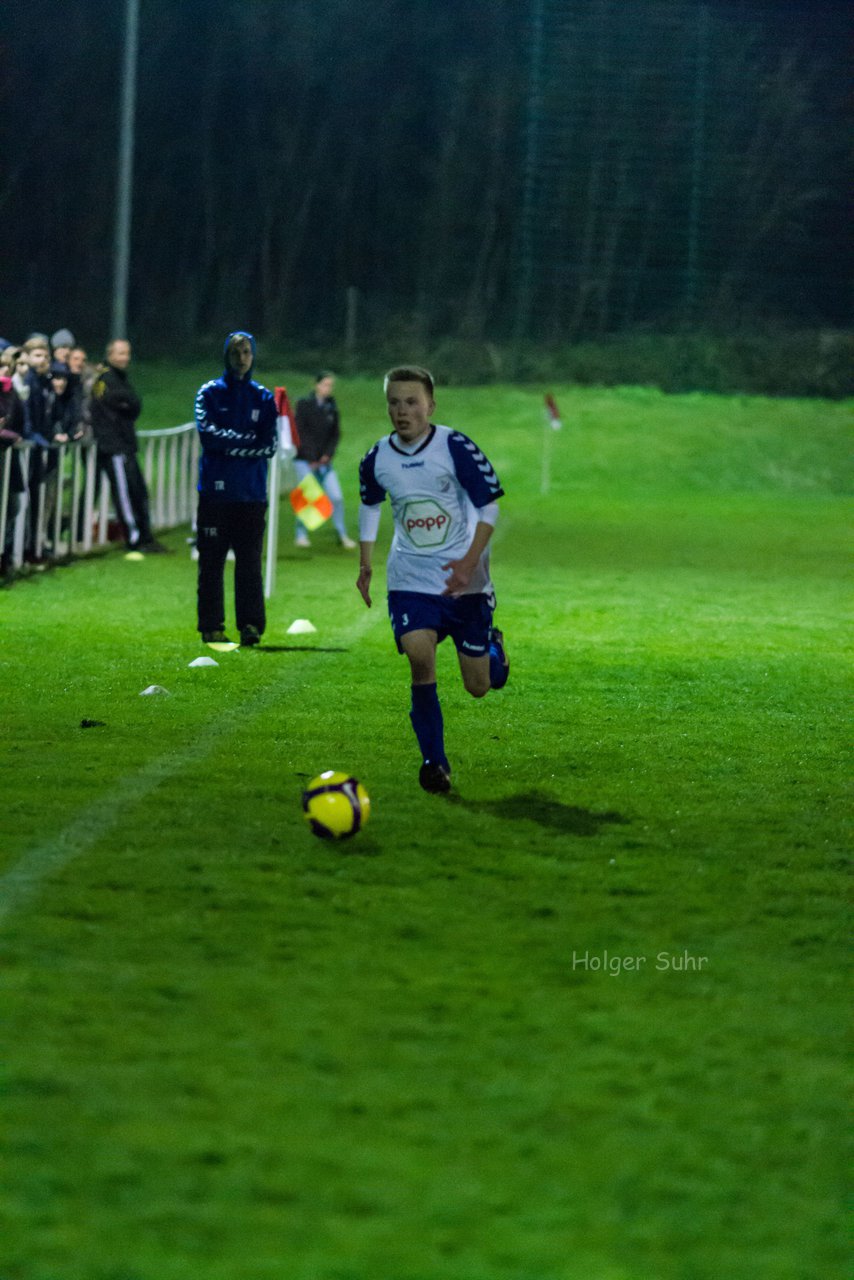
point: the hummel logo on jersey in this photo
(407, 465)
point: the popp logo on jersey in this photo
(426, 523)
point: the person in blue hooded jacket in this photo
(236, 419)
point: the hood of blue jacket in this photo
(238, 333)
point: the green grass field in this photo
(233, 1052)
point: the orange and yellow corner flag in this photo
(310, 503)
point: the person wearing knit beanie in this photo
(61, 343)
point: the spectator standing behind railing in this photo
(21, 368)
(60, 427)
(37, 384)
(62, 343)
(11, 411)
(9, 358)
(37, 432)
(85, 374)
(115, 408)
(62, 420)
(11, 432)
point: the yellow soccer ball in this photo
(335, 805)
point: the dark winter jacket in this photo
(61, 410)
(236, 418)
(115, 407)
(11, 412)
(318, 427)
(36, 427)
(11, 431)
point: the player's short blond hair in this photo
(410, 373)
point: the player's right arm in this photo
(369, 523)
(462, 569)
(363, 582)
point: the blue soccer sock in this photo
(426, 717)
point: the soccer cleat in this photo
(496, 641)
(249, 635)
(434, 778)
(215, 637)
(499, 663)
(302, 540)
(154, 548)
(346, 544)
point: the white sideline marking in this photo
(22, 881)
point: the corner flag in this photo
(285, 424)
(552, 419)
(310, 503)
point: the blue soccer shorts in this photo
(466, 619)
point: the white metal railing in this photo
(170, 464)
(64, 508)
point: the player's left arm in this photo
(462, 569)
(473, 470)
(477, 476)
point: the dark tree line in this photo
(664, 163)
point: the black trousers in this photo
(238, 526)
(130, 495)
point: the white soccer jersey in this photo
(436, 491)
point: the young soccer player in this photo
(444, 501)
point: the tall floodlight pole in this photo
(124, 193)
(534, 111)
(698, 155)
